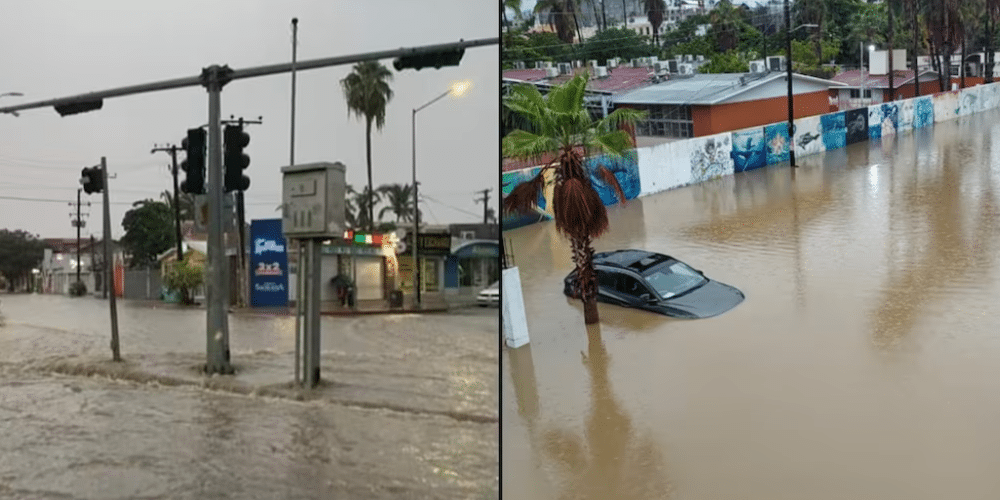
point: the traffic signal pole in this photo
(116, 354)
(217, 332)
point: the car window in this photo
(607, 280)
(674, 279)
(631, 286)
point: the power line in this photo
(450, 206)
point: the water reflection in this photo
(611, 460)
(949, 238)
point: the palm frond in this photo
(612, 181)
(578, 209)
(524, 196)
(616, 143)
(521, 144)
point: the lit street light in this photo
(457, 89)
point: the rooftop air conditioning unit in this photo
(551, 72)
(672, 65)
(613, 63)
(700, 58)
(539, 64)
(565, 68)
(685, 69)
(602, 71)
(776, 63)
(577, 63)
(757, 67)
(592, 63)
(688, 58)
(653, 60)
(635, 63)
(518, 64)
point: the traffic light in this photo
(434, 59)
(92, 179)
(194, 164)
(235, 161)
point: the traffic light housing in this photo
(194, 164)
(92, 179)
(235, 160)
(429, 59)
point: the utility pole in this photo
(172, 149)
(244, 277)
(93, 261)
(77, 222)
(486, 203)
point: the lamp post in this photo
(457, 89)
(788, 57)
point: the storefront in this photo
(365, 266)
(434, 249)
(472, 266)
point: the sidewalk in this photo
(431, 302)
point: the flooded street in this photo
(864, 362)
(408, 408)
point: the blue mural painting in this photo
(748, 150)
(834, 130)
(889, 123)
(875, 122)
(923, 112)
(710, 158)
(856, 121)
(510, 181)
(776, 141)
(624, 168)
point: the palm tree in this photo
(186, 203)
(992, 13)
(358, 202)
(563, 127)
(563, 16)
(399, 200)
(514, 5)
(367, 92)
(654, 11)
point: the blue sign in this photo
(268, 264)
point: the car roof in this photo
(635, 260)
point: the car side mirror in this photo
(647, 298)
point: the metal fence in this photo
(142, 284)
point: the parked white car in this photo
(490, 296)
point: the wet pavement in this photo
(407, 407)
(864, 362)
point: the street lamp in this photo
(788, 57)
(457, 89)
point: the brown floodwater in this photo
(864, 362)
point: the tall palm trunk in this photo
(368, 156)
(913, 54)
(892, 87)
(962, 69)
(990, 26)
(583, 258)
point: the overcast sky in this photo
(59, 48)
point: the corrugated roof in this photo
(707, 88)
(857, 78)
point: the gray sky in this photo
(58, 48)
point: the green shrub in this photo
(184, 277)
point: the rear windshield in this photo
(673, 278)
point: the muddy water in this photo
(408, 408)
(864, 363)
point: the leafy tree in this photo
(367, 93)
(531, 47)
(20, 252)
(565, 128)
(186, 203)
(185, 277)
(617, 42)
(149, 231)
(357, 208)
(729, 62)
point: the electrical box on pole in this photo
(313, 200)
(194, 165)
(312, 211)
(235, 160)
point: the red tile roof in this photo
(619, 80)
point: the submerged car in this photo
(490, 296)
(657, 283)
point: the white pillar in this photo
(515, 323)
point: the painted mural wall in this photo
(676, 164)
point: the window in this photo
(607, 280)
(630, 286)
(468, 235)
(666, 121)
